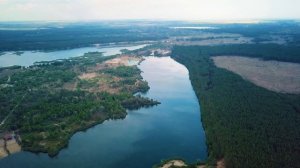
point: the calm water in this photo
(144, 137)
(29, 57)
(194, 28)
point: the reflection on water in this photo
(194, 28)
(144, 137)
(29, 57)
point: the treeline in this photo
(74, 36)
(134, 103)
(246, 125)
(46, 114)
(288, 30)
(131, 81)
(263, 51)
(287, 27)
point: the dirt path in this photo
(3, 121)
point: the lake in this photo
(30, 57)
(144, 137)
(194, 28)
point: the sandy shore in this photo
(123, 61)
(10, 146)
(172, 163)
(180, 163)
(3, 152)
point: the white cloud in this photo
(147, 9)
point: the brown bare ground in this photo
(107, 88)
(12, 146)
(201, 166)
(104, 82)
(99, 66)
(3, 152)
(123, 61)
(177, 163)
(276, 76)
(87, 75)
(70, 86)
(221, 163)
(180, 163)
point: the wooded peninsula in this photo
(46, 103)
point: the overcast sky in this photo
(19, 10)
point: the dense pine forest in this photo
(264, 51)
(246, 125)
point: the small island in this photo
(43, 105)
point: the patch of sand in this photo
(276, 76)
(87, 75)
(3, 152)
(102, 81)
(70, 86)
(99, 81)
(221, 163)
(176, 163)
(201, 166)
(124, 60)
(12, 146)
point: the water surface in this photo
(30, 57)
(144, 137)
(194, 27)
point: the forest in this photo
(54, 36)
(277, 52)
(35, 102)
(246, 125)
(72, 36)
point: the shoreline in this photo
(102, 45)
(83, 129)
(54, 150)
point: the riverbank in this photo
(145, 136)
(245, 124)
(180, 163)
(66, 110)
(29, 58)
(10, 143)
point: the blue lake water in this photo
(29, 57)
(144, 137)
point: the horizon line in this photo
(162, 20)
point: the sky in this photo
(44, 10)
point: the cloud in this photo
(146, 9)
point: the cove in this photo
(144, 137)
